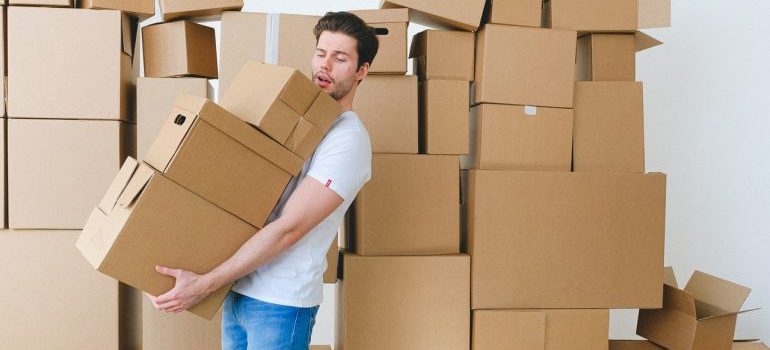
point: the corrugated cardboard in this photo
(411, 206)
(555, 329)
(508, 137)
(390, 26)
(58, 169)
(406, 303)
(749, 345)
(444, 116)
(610, 57)
(607, 15)
(525, 66)
(527, 13)
(180, 48)
(633, 345)
(536, 238)
(388, 107)
(443, 54)
(197, 8)
(285, 40)
(459, 14)
(52, 299)
(168, 331)
(134, 7)
(609, 127)
(700, 316)
(155, 100)
(332, 262)
(75, 70)
(217, 156)
(52, 3)
(124, 244)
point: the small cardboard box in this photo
(554, 329)
(458, 14)
(197, 8)
(409, 303)
(610, 57)
(527, 13)
(177, 49)
(388, 106)
(633, 345)
(444, 116)
(51, 3)
(443, 54)
(390, 26)
(168, 331)
(607, 15)
(332, 262)
(507, 137)
(411, 206)
(525, 66)
(700, 316)
(134, 7)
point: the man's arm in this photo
(310, 203)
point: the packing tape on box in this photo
(272, 31)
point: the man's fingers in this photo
(168, 271)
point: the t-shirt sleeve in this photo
(343, 162)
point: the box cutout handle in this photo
(381, 31)
(180, 119)
(530, 110)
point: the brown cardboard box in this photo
(444, 116)
(443, 54)
(388, 107)
(155, 100)
(121, 237)
(555, 329)
(52, 299)
(197, 8)
(244, 38)
(134, 7)
(525, 66)
(507, 137)
(527, 13)
(180, 48)
(390, 26)
(168, 331)
(609, 127)
(536, 238)
(332, 262)
(227, 162)
(58, 169)
(52, 3)
(460, 14)
(610, 57)
(89, 77)
(749, 345)
(633, 345)
(700, 316)
(411, 206)
(607, 15)
(320, 347)
(406, 303)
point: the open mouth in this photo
(322, 80)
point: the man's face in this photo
(335, 64)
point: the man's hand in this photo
(190, 289)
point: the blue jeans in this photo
(251, 324)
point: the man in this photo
(278, 272)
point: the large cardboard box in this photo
(58, 169)
(135, 7)
(408, 303)
(555, 329)
(607, 15)
(121, 240)
(79, 67)
(525, 66)
(52, 299)
(390, 26)
(180, 48)
(332, 262)
(443, 54)
(444, 116)
(527, 13)
(285, 40)
(52, 3)
(168, 331)
(154, 101)
(459, 14)
(388, 107)
(197, 8)
(610, 57)
(536, 238)
(411, 206)
(700, 316)
(609, 127)
(507, 137)
(633, 345)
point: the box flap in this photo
(383, 15)
(419, 44)
(728, 314)
(323, 112)
(654, 13)
(129, 27)
(669, 278)
(715, 295)
(118, 184)
(679, 300)
(644, 41)
(136, 185)
(90, 243)
(299, 93)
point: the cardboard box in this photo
(610, 57)
(633, 345)
(168, 331)
(444, 116)
(52, 298)
(700, 316)
(58, 169)
(285, 40)
(197, 8)
(749, 345)
(51, 3)
(332, 262)
(320, 347)
(411, 206)
(507, 137)
(390, 26)
(527, 13)
(79, 68)
(154, 101)
(388, 107)
(609, 127)
(607, 15)
(459, 14)
(555, 329)
(217, 156)
(180, 48)
(525, 66)
(569, 228)
(142, 8)
(121, 240)
(408, 303)
(443, 54)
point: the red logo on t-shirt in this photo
(328, 182)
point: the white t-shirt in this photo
(341, 162)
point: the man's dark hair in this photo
(353, 26)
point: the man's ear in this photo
(363, 71)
